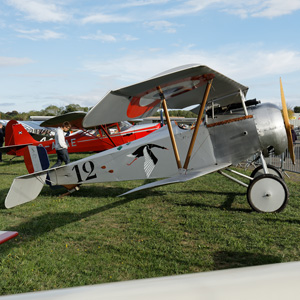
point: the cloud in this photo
(250, 65)
(242, 8)
(261, 9)
(40, 10)
(36, 34)
(164, 26)
(7, 104)
(14, 61)
(105, 18)
(239, 63)
(128, 37)
(276, 8)
(99, 36)
(137, 3)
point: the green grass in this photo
(94, 237)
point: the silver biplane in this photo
(228, 130)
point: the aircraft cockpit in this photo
(216, 113)
(113, 128)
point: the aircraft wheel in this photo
(260, 171)
(267, 193)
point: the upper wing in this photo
(182, 87)
(75, 118)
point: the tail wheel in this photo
(267, 193)
(260, 171)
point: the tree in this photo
(74, 107)
(53, 110)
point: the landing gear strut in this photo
(267, 191)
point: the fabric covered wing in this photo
(182, 87)
(180, 177)
(75, 118)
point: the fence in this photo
(284, 161)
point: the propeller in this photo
(287, 124)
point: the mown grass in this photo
(93, 236)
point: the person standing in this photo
(61, 146)
(294, 135)
(2, 136)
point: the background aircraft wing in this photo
(75, 118)
(6, 149)
(182, 87)
(181, 177)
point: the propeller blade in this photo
(287, 124)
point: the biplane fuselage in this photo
(227, 139)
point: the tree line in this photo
(53, 110)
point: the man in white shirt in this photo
(61, 146)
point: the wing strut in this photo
(164, 103)
(199, 120)
(102, 127)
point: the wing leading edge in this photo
(181, 87)
(180, 177)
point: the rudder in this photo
(36, 159)
(16, 134)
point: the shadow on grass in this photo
(50, 221)
(227, 204)
(230, 259)
(3, 194)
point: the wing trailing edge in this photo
(180, 178)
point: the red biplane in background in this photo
(94, 139)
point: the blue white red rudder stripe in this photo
(36, 159)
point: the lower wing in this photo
(180, 177)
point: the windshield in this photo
(124, 125)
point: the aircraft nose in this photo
(270, 128)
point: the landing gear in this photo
(271, 169)
(267, 193)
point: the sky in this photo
(60, 52)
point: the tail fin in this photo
(25, 188)
(36, 159)
(16, 134)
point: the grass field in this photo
(94, 237)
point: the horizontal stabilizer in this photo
(24, 189)
(6, 149)
(180, 177)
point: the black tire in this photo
(260, 171)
